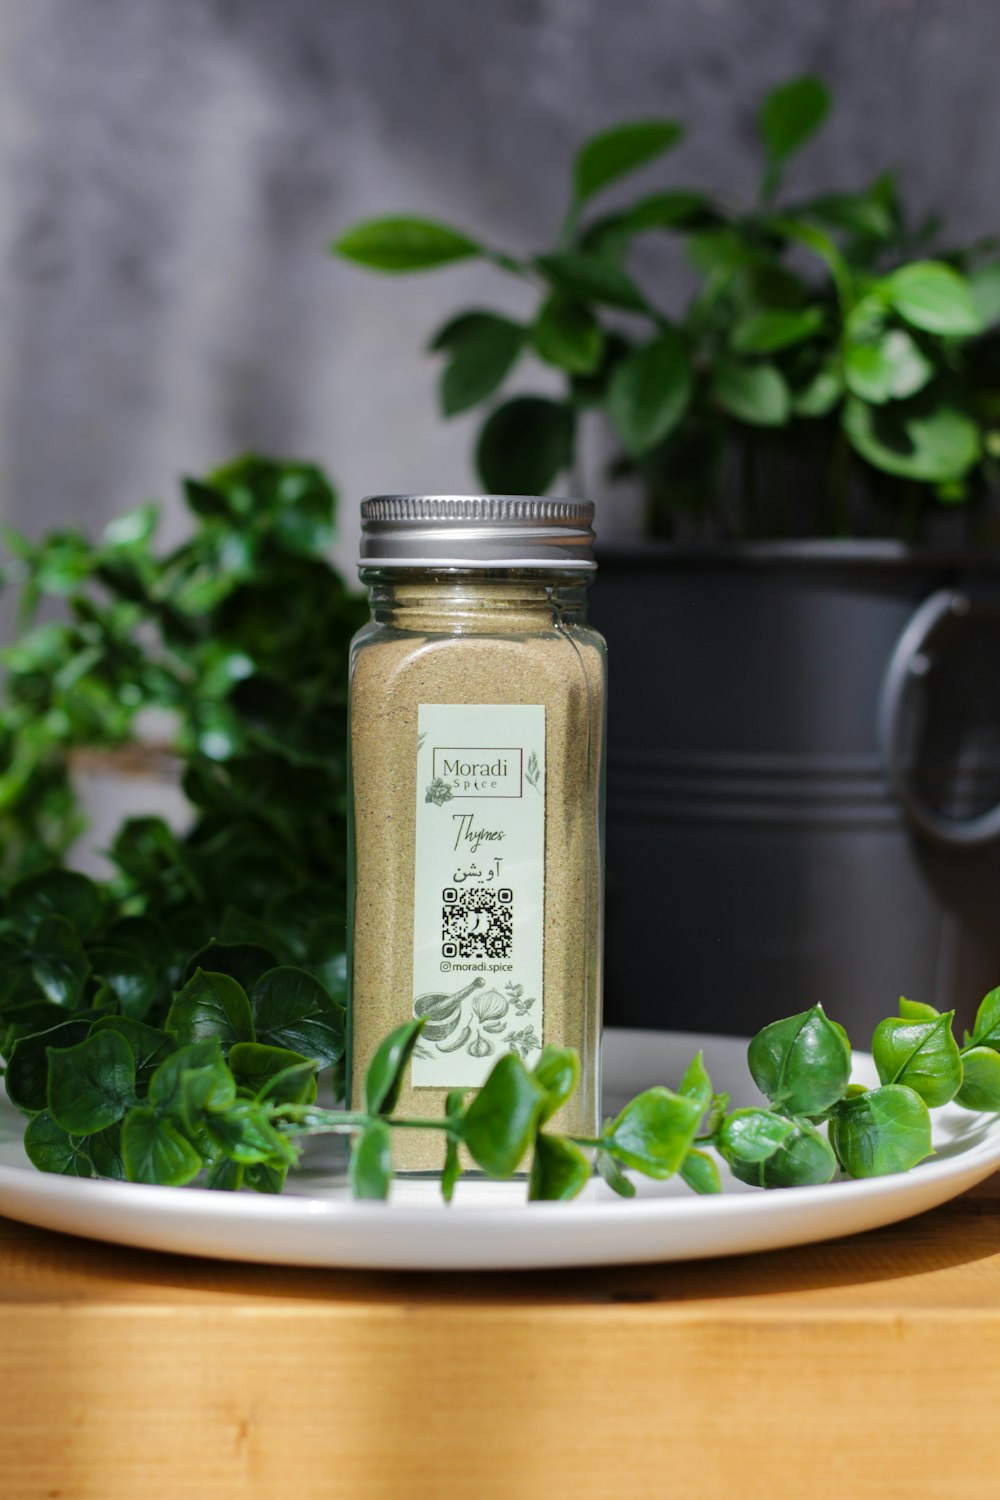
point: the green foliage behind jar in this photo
(240, 637)
(831, 373)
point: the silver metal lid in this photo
(476, 531)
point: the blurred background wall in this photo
(171, 171)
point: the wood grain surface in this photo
(864, 1367)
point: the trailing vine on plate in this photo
(154, 1072)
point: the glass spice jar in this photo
(477, 729)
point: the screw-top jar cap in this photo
(476, 531)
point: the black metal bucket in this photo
(803, 782)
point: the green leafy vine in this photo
(212, 1073)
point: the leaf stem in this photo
(304, 1118)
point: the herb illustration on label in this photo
(478, 929)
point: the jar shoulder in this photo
(476, 668)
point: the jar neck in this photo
(488, 600)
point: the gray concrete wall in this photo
(170, 171)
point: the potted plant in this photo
(797, 803)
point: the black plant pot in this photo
(804, 767)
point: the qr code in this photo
(477, 923)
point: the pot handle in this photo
(939, 616)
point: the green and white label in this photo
(479, 890)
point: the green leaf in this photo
(567, 334)
(757, 393)
(206, 501)
(558, 1071)
(483, 348)
(52, 1149)
(244, 962)
(58, 962)
(873, 214)
(881, 1131)
(890, 368)
(211, 1006)
(292, 1009)
(305, 916)
(274, 1073)
(696, 1083)
(559, 1169)
(721, 251)
(245, 1133)
(91, 1084)
(225, 1176)
(401, 244)
(980, 1080)
(649, 392)
(133, 528)
(238, 927)
(24, 1018)
(622, 149)
(149, 1046)
(146, 849)
(916, 1010)
(500, 1123)
(27, 1077)
(700, 1172)
(654, 1131)
(295, 1084)
(986, 1031)
(769, 329)
(56, 893)
(820, 394)
(804, 1159)
(130, 978)
(191, 1080)
(387, 1069)
(304, 521)
(752, 1135)
(452, 1169)
(921, 1054)
(801, 233)
(802, 1064)
(923, 440)
(148, 939)
(790, 114)
(984, 285)
(678, 208)
(524, 445)
(265, 1177)
(154, 1150)
(371, 1162)
(592, 278)
(609, 1170)
(933, 296)
(104, 1148)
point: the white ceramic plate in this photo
(490, 1226)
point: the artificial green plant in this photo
(133, 1066)
(236, 641)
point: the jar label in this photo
(479, 896)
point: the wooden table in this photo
(866, 1367)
